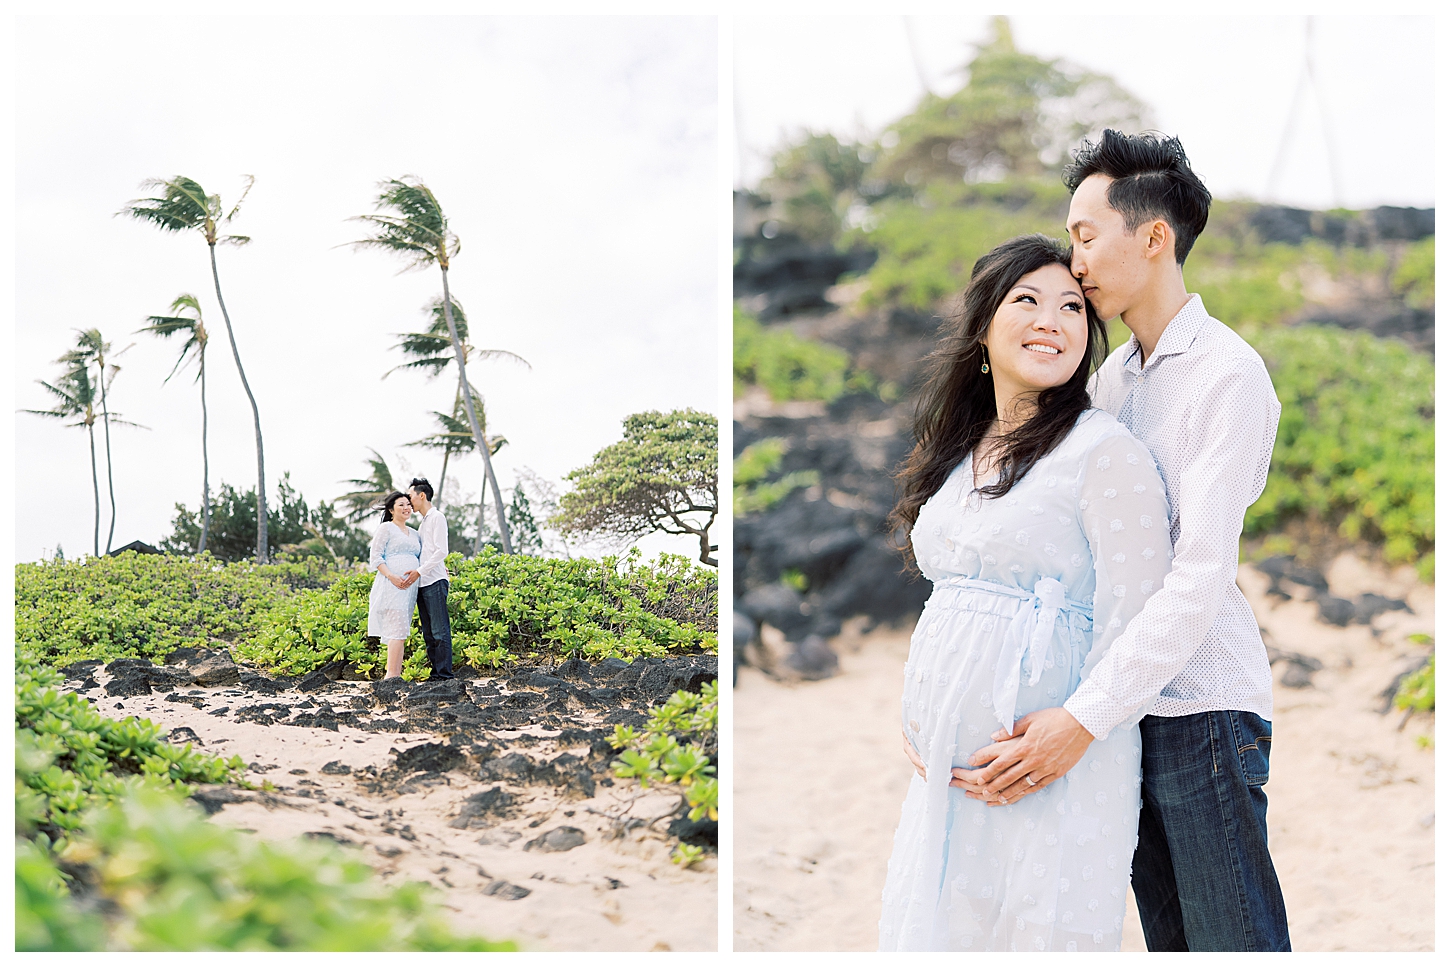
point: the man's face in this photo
(1110, 262)
(418, 500)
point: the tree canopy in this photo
(662, 476)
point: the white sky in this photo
(1224, 85)
(576, 159)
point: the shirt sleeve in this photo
(435, 542)
(1229, 438)
(1124, 512)
(375, 550)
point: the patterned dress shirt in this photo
(1204, 406)
(434, 531)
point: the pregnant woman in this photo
(1042, 524)
(394, 553)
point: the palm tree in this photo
(195, 345)
(91, 347)
(184, 206)
(412, 224)
(455, 436)
(431, 351)
(370, 489)
(75, 395)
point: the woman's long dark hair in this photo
(957, 404)
(388, 503)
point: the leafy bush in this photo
(293, 527)
(677, 746)
(1356, 442)
(789, 367)
(73, 758)
(167, 879)
(1417, 689)
(758, 461)
(1415, 276)
(507, 607)
(926, 247)
(146, 605)
(110, 855)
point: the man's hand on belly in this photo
(1044, 745)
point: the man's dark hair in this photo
(1151, 179)
(423, 487)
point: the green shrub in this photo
(73, 758)
(1356, 442)
(752, 495)
(505, 607)
(146, 605)
(677, 746)
(170, 880)
(1415, 276)
(1417, 689)
(789, 367)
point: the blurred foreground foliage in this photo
(110, 855)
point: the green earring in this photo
(985, 367)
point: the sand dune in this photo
(820, 779)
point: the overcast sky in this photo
(1225, 85)
(576, 159)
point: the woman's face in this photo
(1039, 333)
(402, 510)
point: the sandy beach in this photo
(521, 828)
(821, 778)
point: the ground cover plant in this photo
(111, 855)
(505, 608)
(677, 745)
(1356, 445)
(146, 605)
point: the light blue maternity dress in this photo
(390, 609)
(1030, 590)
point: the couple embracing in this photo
(1087, 697)
(410, 571)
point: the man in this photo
(1199, 397)
(432, 579)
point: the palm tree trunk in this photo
(447, 449)
(96, 488)
(106, 425)
(478, 440)
(205, 469)
(256, 418)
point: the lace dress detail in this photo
(1030, 590)
(390, 609)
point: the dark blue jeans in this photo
(437, 632)
(1202, 873)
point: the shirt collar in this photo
(1177, 337)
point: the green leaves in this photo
(789, 367)
(664, 469)
(1356, 444)
(752, 494)
(410, 223)
(506, 607)
(658, 754)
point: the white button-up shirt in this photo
(1204, 406)
(434, 531)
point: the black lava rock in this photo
(561, 839)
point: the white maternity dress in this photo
(1030, 590)
(390, 609)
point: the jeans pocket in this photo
(1253, 738)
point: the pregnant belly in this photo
(399, 563)
(948, 708)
